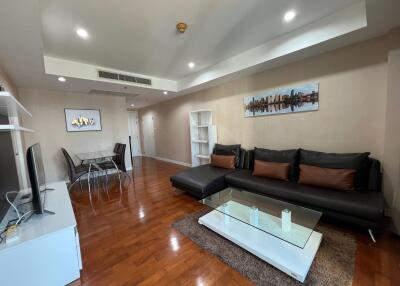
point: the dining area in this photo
(94, 171)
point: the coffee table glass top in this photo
(291, 223)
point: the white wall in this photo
(47, 108)
(391, 157)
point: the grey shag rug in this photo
(333, 264)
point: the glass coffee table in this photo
(280, 233)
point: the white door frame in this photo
(134, 132)
(149, 145)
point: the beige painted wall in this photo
(351, 115)
(351, 118)
(48, 121)
(391, 155)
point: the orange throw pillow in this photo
(223, 161)
(338, 179)
(272, 170)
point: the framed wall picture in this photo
(81, 120)
(299, 98)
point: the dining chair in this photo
(119, 160)
(75, 172)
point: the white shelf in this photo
(203, 136)
(10, 106)
(203, 156)
(11, 127)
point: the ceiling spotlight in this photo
(132, 105)
(191, 65)
(82, 33)
(165, 92)
(62, 79)
(289, 16)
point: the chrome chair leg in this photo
(371, 235)
(88, 180)
(119, 175)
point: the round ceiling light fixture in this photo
(165, 92)
(132, 105)
(82, 33)
(191, 65)
(62, 79)
(289, 16)
(181, 27)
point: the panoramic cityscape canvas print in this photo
(284, 100)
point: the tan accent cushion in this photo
(338, 179)
(223, 161)
(272, 170)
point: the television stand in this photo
(48, 245)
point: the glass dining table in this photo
(94, 159)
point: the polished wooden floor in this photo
(127, 239)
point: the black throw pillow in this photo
(356, 161)
(280, 156)
(225, 150)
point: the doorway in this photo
(148, 135)
(134, 132)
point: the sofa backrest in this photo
(242, 160)
(374, 171)
(249, 160)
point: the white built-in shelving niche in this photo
(203, 136)
(10, 107)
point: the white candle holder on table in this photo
(227, 218)
(254, 216)
(286, 220)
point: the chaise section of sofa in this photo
(201, 181)
(205, 180)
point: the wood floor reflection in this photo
(127, 239)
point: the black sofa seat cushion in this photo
(367, 205)
(201, 181)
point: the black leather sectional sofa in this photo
(363, 207)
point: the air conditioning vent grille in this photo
(124, 77)
(143, 80)
(109, 75)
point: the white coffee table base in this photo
(290, 259)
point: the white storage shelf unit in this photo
(203, 136)
(11, 108)
(11, 113)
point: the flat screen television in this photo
(36, 176)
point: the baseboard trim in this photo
(171, 161)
